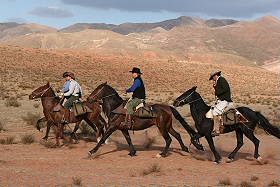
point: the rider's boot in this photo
(217, 126)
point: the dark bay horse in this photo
(204, 125)
(49, 101)
(110, 100)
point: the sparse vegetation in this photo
(86, 129)
(48, 144)
(149, 141)
(225, 182)
(154, 168)
(28, 139)
(246, 184)
(77, 181)
(2, 126)
(36, 105)
(8, 140)
(254, 178)
(274, 183)
(12, 102)
(31, 119)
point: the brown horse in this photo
(110, 100)
(50, 101)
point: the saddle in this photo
(231, 116)
(78, 108)
(143, 110)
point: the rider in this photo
(72, 91)
(223, 94)
(138, 95)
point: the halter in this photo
(190, 101)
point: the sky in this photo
(62, 13)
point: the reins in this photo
(95, 95)
(190, 101)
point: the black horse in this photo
(204, 125)
(110, 100)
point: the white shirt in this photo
(74, 89)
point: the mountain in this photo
(243, 42)
(11, 30)
(127, 28)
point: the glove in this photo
(60, 95)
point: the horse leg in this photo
(239, 136)
(73, 134)
(57, 135)
(100, 127)
(179, 139)
(49, 124)
(250, 135)
(168, 141)
(108, 133)
(210, 141)
(128, 139)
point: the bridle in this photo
(95, 95)
(45, 91)
(183, 101)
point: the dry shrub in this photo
(154, 168)
(224, 182)
(254, 178)
(31, 119)
(36, 105)
(3, 162)
(28, 139)
(149, 141)
(48, 144)
(77, 181)
(274, 183)
(86, 129)
(8, 140)
(246, 184)
(12, 102)
(2, 126)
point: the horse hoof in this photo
(158, 155)
(98, 139)
(217, 162)
(229, 160)
(259, 159)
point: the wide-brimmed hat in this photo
(135, 70)
(70, 74)
(215, 73)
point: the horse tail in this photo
(186, 126)
(269, 128)
(194, 135)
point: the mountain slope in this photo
(127, 28)
(11, 30)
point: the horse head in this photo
(40, 92)
(185, 98)
(98, 93)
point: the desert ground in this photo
(26, 160)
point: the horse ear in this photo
(194, 88)
(48, 84)
(105, 83)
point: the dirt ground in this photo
(36, 165)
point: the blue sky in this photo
(62, 13)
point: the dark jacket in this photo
(140, 92)
(222, 90)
